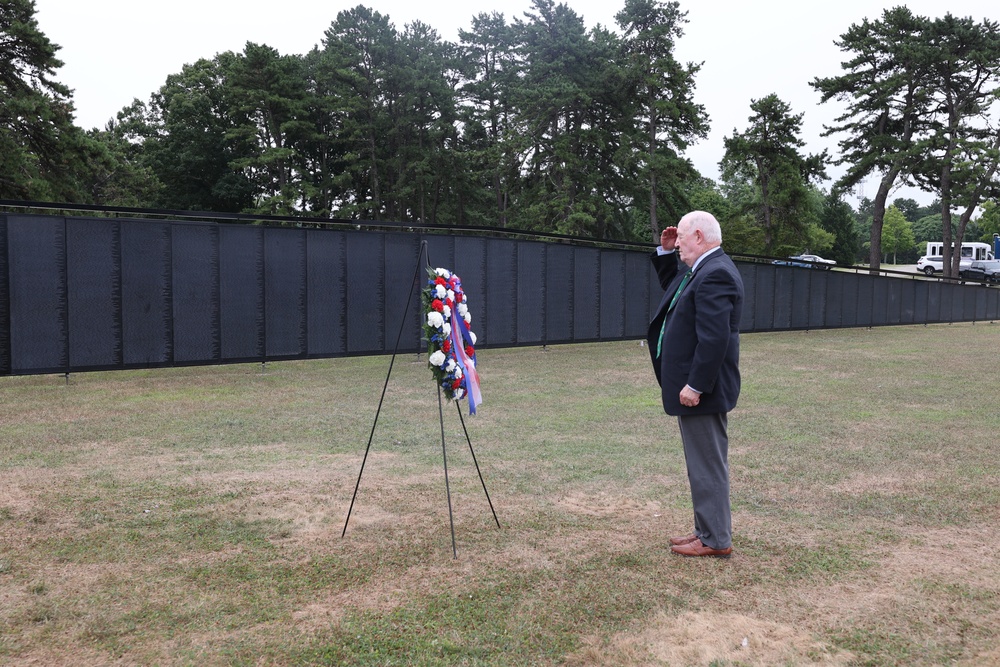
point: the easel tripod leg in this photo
(474, 460)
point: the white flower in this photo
(450, 366)
(437, 358)
(450, 294)
(459, 393)
(462, 310)
(447, 313)
(468, 318)
(446, 329)
(472, 335)
(444, 273)
(440, 292)
(434, 319)
(459, 373)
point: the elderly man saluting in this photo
(694, 342)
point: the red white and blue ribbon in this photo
(450, 342)
(461, 342)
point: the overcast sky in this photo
(117, 50)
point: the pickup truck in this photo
(985, 271)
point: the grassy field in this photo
(194, 516)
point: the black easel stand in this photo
(427, 262)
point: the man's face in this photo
(689, 243)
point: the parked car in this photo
(806, 261)
(930, 265)
(984, 270)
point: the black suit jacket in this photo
(701, 344)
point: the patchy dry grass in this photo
(194, 516)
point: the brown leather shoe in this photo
(696, 548)
(685, 539)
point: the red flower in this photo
(469, 350)
(446, 346)
(456, 384)
(440, 281)
(437, 305)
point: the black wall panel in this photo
(284, 293)
(835, 303)
(784, 296)
(612, 294)
(907, 302)
(94, 282)
(402, 294)
(979, 304)
(816, 299)
(440, 252)
(470, 265)
(501, 323)
(241, 290)
(799, 297)
(559, 291)
(147, 310)
(880, 301)
(992, 305)
(749, 274)
(935, 295)
(4, 301)
(638, 294)
(196, 299)
(326, 292)
(366, 292)
(85, 293)
(964, 302)
(764, 306)
(895, 311)
(587, 294)
(531, 293)
(921, 295)
(950, 302)
(38, 300)
(849, 299)
(864, 300)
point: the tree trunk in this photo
(951, 256)
(766, 211)
(653, 222)
(878, 218)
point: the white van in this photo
(972, 250)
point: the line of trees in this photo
(535, 123)
(923, 107)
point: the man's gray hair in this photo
(706, 223)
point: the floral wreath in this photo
(450, 343)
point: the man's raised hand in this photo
(668, 238)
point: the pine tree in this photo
(41, 152)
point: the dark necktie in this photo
(673, 302)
